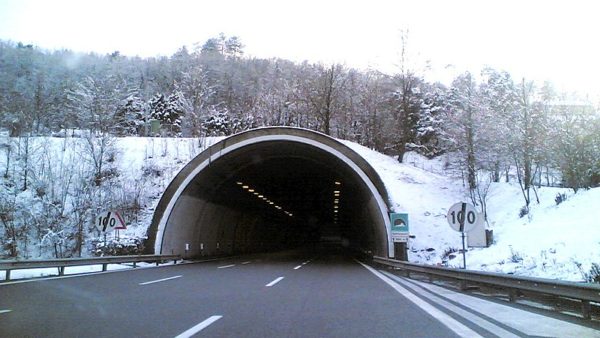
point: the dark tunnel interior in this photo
(270, 196)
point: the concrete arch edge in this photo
(324, 142)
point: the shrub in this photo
(560, 198)
(594, 275)
(118, 246)
(523, 211)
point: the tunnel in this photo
(272, 189)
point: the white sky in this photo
(554, 40)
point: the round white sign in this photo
(462, 213)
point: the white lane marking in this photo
(226, 266)
(248, 262)
(5, 311)
(160, 280)
(308, 261)
(277, 280)
(518, 319)
(443, 318)
(199, 327)
(495, 329)
(298, 267)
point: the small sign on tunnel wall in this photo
(399, 222)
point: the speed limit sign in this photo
(462, 217)
(110, 220)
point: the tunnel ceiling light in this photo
(335, 207)
(271, 203)
(337, 183)
(255, 194)
(239, 183)
(335, 211)
(336, 201)
(245, 187)
(260, 196)
(336, 191)
(251, 190)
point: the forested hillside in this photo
(500, 128)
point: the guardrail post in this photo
(157, 262)
(586, 309)
(135, 264)
(104, 265)
(512, 295)
(61, 270)
(7, 277)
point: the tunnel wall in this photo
(178, 217)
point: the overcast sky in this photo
(554, 40)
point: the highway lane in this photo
(328, 295)
(288, 294)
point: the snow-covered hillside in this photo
(554, 241)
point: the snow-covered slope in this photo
(553, 241)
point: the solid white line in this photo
(248, 262)
(5, 311)
(159, 280)
(298, 267)
(517, 319)
(443, 318)
(495, 329)
(199, 327)
(275, 281)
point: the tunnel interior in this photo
(270, 196)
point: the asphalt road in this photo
(290, 294)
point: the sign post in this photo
(462, 217)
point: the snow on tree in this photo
(169, 111)
(130, 117)
(430, 138)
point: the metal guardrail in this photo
(62, 263)
(584, 292)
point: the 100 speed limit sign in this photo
(462, 213)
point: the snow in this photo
(74, 270)
(553, 241)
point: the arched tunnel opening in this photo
(272, 189)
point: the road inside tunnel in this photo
(272, 189)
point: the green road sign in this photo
(399, 222)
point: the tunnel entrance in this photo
(272, 189)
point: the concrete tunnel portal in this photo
(271, 189)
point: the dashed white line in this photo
(277, 280)
(5, 311)
(199, 327)
(226, 266)
(248, 262)
(159, 280)
(298, 267)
